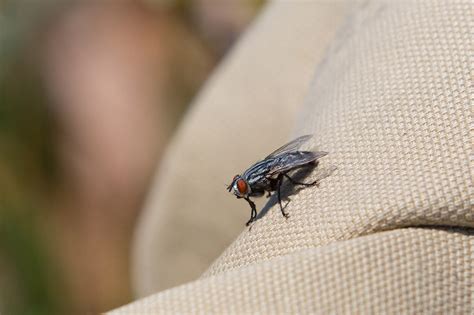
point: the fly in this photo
(268, 174)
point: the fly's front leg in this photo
(299, 183)
(253, 214)
(279, 182)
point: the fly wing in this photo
(290, 147)
(292, 160)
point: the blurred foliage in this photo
(27, 271)
(26, 132)
(26, 171)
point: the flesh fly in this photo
(268, 174)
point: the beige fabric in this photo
(392, 103)
(407, 271)
(248, 108)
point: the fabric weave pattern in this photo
(392, 229)
(405, 271)
(391, 105)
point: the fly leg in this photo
(253, 214)
(279, 182)
(299, 183)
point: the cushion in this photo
(247, 108)
(391, 230)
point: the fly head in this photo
(239, 187)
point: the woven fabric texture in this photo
(391, 105)
(391, 230)
(190, 218)
(406, 271)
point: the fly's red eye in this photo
(242, 186)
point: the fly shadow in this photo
(288, 189)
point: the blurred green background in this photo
(90, 94)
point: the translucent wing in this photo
(292, 160)
(291, 146)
